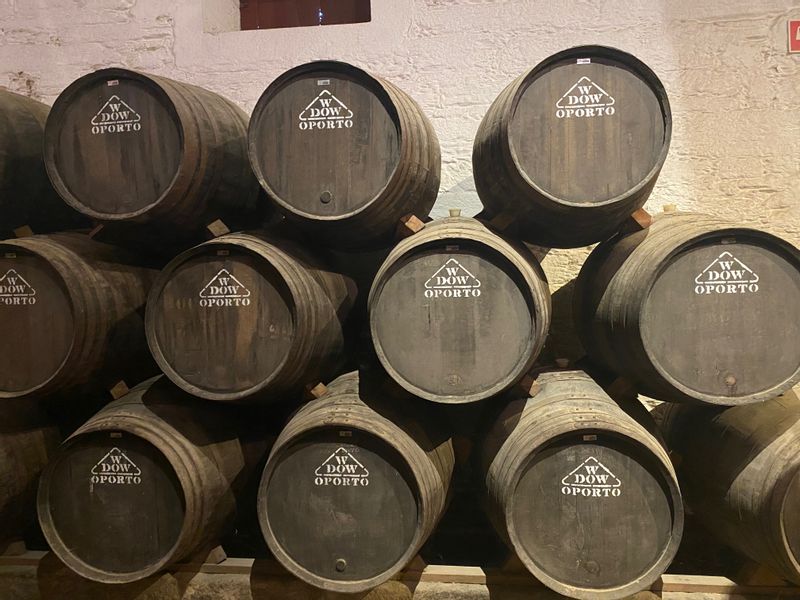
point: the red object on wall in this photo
(271, 14)
(794, 36)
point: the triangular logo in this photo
(116, 463)
(585, 94)
(726, 268)
(13, 285)
(116, 111)
(224, 285)
(452, 275)
(591, 473)
(326, 107)
(342, 464)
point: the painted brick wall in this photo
(735, 92)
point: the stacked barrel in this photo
(197, 310)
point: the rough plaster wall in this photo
(734, 90)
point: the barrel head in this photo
(111, 505)
(591, 512)
(113, 144)
(339, 505)
(453, 322)
(587, 129)
(223, 323)
(37, 326)
(324, 140)
(722, 320)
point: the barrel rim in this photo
(353, 586)
(668, 479)
(52, 126)
(780, 246)
(136, 427)
(372, 83)
(155, 294)
(791, 554)
(511, 255)
(70, 295)
(641, 69)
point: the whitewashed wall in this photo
(735, 92)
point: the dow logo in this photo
(726, 275)
(224, 290)
(326, 111)
(592, 479)
(341, 469)
(585, 99)
(116, 116)
(15, 291)
(452, 280)
(116, 468)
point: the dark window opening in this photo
(271, 14)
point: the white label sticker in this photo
(341, 469)
(15, 291)
(726, 275)
(116, 468)
(585, 99)
(116, 116)
(584, 61)
(592, 479)
(224, 290)
(326, 111)
(452, 280)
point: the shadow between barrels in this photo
(57, 582)
(270, 581)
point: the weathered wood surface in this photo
(581, 490)
(574, 146)
(740, 470)
(124, 146)
(26, 196)
(148, 481)
(458, 313)
(694, 309)
(40, 576)
(344, 154)
(243, 317)
(353, 488)
(27, 438)
(70, 313)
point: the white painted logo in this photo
(116, 116)
(326, 111)
(585, 99)
(15, 291)
(592, 479)
(224, 290)
(117, 469)
(341, 469)
(726, 275)
(452, 280)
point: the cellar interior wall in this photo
(734, 89)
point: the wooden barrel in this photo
(694, 309)
(69, 314)
(351, 489)
(581, 490)
(27, 437)
(126, 146)
(457, 313)
(26, 196)
(242, 318)
(574, 146)
(343, 153)
(149, 480)
(740, 470)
